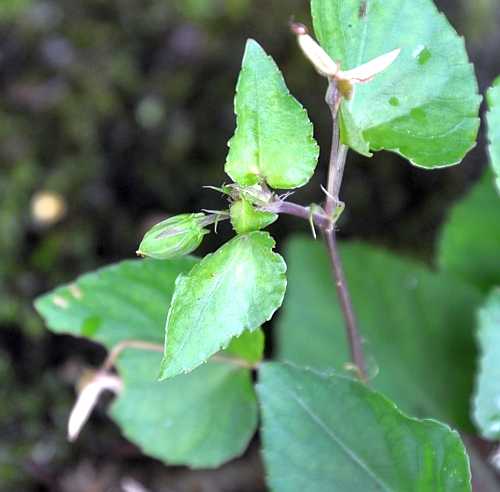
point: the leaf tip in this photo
(252, 46)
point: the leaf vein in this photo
(353, 456)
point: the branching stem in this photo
(338, 156)
(127, 344)
(115, 352)
(322, 221)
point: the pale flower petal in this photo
(87, 400)
(327, 67)
(366, 72)
(315, 53)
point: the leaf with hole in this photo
(425, 105)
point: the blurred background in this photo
(113, 115)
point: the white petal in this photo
(366, 72)
(317, 56)
(87, 400)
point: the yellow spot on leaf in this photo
(60, 302)
(75, 291)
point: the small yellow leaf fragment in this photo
(60, 302)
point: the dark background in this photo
(121, 110)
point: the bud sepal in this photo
(246, 218)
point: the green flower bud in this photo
(174, 237)
(245, 218)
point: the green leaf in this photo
(493, 118)
(201, 419)
(487, 397)
(248, 346)
(425, 106)
(418, 326)
(128, 300)
(274, 137)
(329, 432)
(469, 246)
(237, 288)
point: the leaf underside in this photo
(424, 106)
(333, 433)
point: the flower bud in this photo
(245, 218)
(174, 237)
